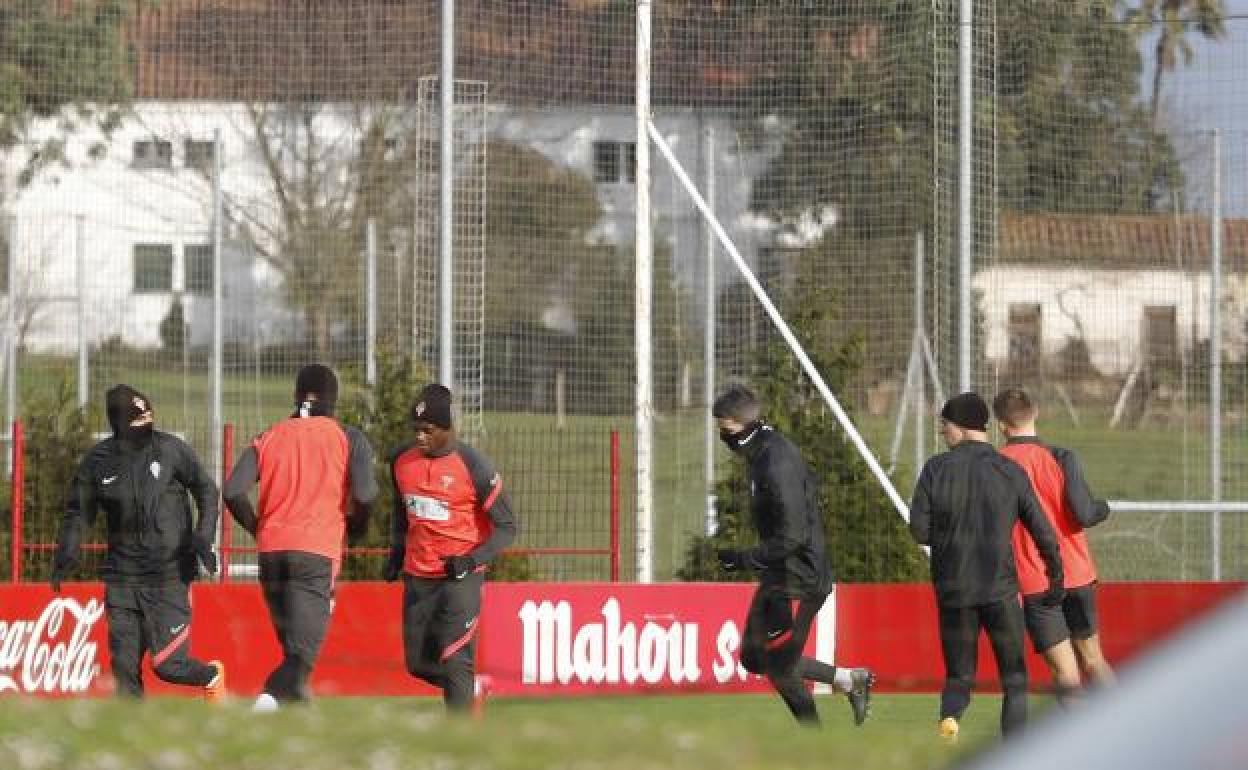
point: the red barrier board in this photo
(892, 627)
(547, 638)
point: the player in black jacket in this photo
(966, 504)
(791, 560)
(140, 479)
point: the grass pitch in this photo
(631, 733)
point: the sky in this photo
(1210, 93)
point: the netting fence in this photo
(1103, 185)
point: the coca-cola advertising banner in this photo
(547, 638)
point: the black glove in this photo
(58, 574)
(731, 559)
(1054, 596)
(357, 522)
(459, 567)
(202, 548)
(394, 565)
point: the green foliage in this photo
(554, 291)
(57, 434)
(383, 414)
(867, 540)
(59, 54)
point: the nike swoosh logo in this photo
(176, 629)
(774, 634)
(108, 480)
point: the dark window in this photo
(607, 162)
(1025, 341)
(630, 162)
(197, 264)
(200, 155)
(153, 153)
(615, 162)
(1161, 337)
(153, 267)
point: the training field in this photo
(726, 732)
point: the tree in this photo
(867, 540)
(59, 54)
(1175, 16)
(564, 292)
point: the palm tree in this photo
(1208, 16)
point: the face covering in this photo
(737, 441)
(123, 405)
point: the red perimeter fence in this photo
(238, 560)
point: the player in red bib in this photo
(316, 484)
(451, 518)
(1065, 634)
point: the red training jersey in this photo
(451, 503)
(1049, 483)
(304, 483)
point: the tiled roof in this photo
(1118, 241)
(528, 51)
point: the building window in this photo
(4, 266)
(200, 155)
(1026, 338)
(153, 267)
(1161, 337)
(615, 162)
(197, 267)
(153, 153)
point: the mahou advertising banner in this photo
(575, 638)
(547, 639)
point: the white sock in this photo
(843, 681)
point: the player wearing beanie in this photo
(140, 477)
(304, 465)
(966, 503)
(451, 518)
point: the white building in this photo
(143, 211)
(1129, 287)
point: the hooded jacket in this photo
(144, 490)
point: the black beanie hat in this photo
(123, 403)
(433, 404)
(318, 379)
(966, 410)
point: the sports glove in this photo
(1054, 596)
(732, 559)
(203, 551)
(394, 565)
(58, 574)
(459, 567)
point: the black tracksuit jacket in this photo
(784, 506)
(966, 504)
(143, 492)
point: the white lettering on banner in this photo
(726, 665)
(608, 652)
(31, 662)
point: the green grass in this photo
(737, 731)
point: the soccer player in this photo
(1063, 492)
(316, 480)
(791, 560)
(966, 504)
(451, 518)
(140, 477)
